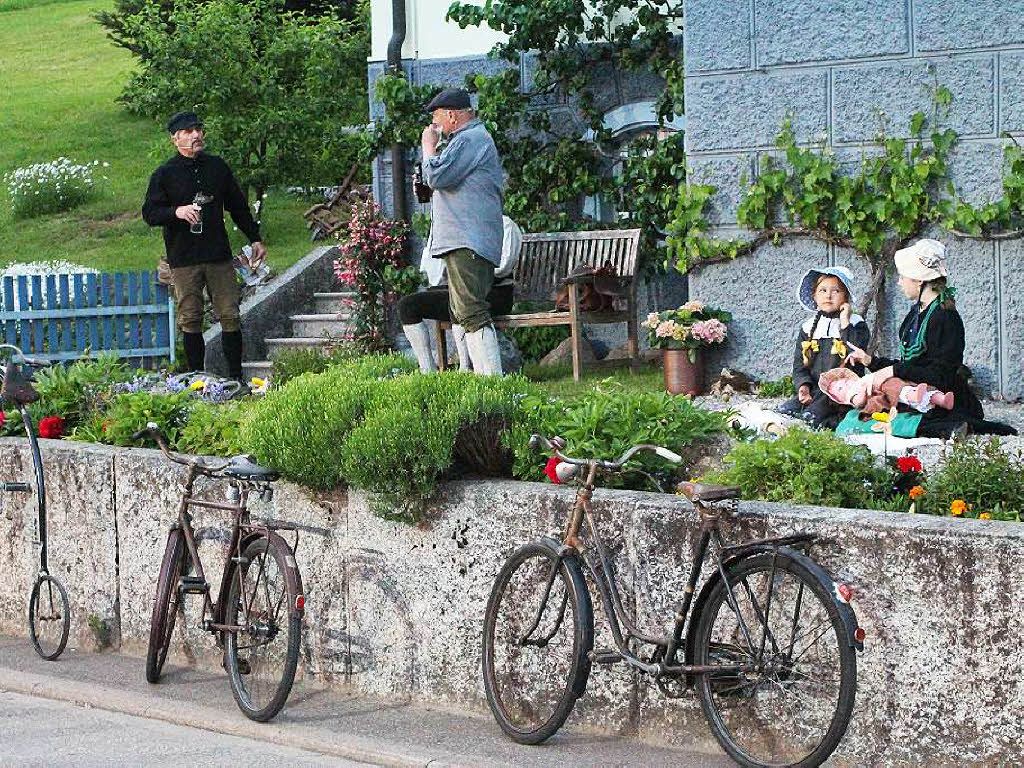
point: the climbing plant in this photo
(888, 200)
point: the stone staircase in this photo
(328, 323)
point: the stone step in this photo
(332, 302)
(260, 368)
(336, 324)
(323, 343)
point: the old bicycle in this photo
(769, 642)
(258, 613)
(49, 614)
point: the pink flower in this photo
(709, 331)
(665, 329)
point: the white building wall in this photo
(428, 35)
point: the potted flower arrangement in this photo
(682, 334)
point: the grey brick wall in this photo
(835, 65)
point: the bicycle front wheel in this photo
(795, 710)
(538, 632)
(49, 617)
(263, 652)
(165, 607)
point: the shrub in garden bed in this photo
(294, 362)
(804, 467)
(607, 421)
(979, 478)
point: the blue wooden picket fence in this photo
(69, 316)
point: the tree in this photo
(275, 89)
(121, 33)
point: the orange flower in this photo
(957, 508)
(984, 516)
(916, 492)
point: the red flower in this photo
(908, 464)
(3, 418)
(51, 427)
(549, 470)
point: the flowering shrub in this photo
(52, 187)
(693, 326)
(371, 265)
(979, 479)
(51, 427)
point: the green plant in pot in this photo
(682, 333)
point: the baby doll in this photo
(862, 392)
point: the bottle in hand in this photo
(423, 192)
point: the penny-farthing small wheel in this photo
(49, 617)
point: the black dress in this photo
(940, 363)
(820, 346)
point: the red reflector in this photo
(844, 592)
(300, 602)
(858, 635)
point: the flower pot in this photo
(683, 377)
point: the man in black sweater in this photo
(187, 196)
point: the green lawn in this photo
(557, 380)
(59, 78)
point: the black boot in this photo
(232, 344)
(195, 351)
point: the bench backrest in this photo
(546, 258)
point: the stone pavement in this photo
(359, 728)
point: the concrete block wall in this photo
(397, 610)
(834, 65)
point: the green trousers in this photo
(470, 278)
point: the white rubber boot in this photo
(419, 340)
(484, 351)
(459, 334)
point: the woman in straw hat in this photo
(932, 344)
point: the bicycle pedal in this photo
(605, 656)
(193, 585)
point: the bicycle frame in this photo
(669, 645)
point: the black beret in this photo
(183, 120)
(449, 98)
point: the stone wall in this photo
(834, 65)
(398, 610)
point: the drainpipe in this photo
(401, 210)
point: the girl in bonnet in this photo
(824, 341)
(932, 343)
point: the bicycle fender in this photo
(571, 558)
(291, 568)
(846, 613)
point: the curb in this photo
(331, 743)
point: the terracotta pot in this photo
(681, 376)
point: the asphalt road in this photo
(41, 732)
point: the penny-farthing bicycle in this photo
(49, 614)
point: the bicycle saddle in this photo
(244, 468)
(17, 387)
(699, 492)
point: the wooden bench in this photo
(544, 264)
(325, 219)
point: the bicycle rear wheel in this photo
(796, 709)
(263, 654)
(49, 617)
(165, 607)
(538, 632)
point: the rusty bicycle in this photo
(768, 642)
(49, 613)
(257, 616)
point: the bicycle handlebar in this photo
(153, 430)
(556, 444)
(35, 362)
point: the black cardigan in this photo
(940, 364)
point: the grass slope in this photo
(59, 78)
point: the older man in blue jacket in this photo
(466, 227)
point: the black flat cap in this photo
(449, 98)
(183, 120)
